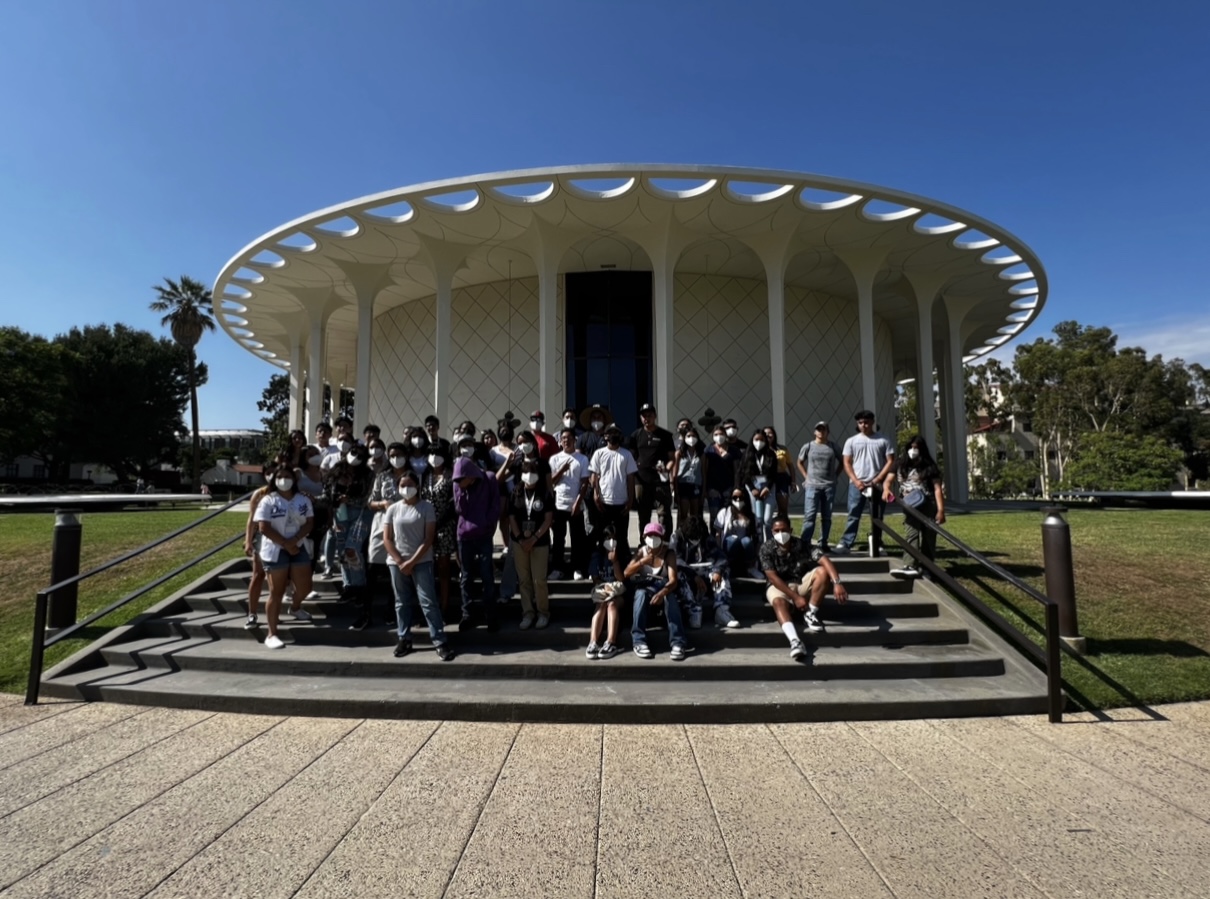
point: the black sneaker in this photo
(362, 622)
(444, 652)
(403, 647)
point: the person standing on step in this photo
(783, 480)
(252, 541)
(819, 465)
(437, 488)
(919, 483)
(383, 494)
(477, 502)
(432, 432)
(571, 420)
(757, 475)
(285, 518)
(689, 476)
(530, 516)
(569, 479)
(653, 448)
(594, 420)
(798, 578)
(719, 469)
(867, 460)
(734, 443)
(547, 444)
(349, 491)
(613, 472)
(409, 529)
(653, 576)
(309, 480)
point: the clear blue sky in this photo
(145, 139)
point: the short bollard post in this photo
(1060, 574)
(64, 564)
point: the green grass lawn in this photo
(25, 542)
(1142, 596)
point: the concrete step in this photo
(333, 630)
(664, 701)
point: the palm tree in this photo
(188, 307)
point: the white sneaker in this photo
(542, 621)
(724, 618)
(592, 651)
(527, 621)
(301, 615)
(313, 596)
(578, 576)
(695, 619)
(797, 650)
(250, 624)
(274, 642)
(811, 622)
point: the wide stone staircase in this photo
(896, 649)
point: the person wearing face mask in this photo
(509, 477)
(718, 472)
(547, 444)
(409, 530)
(867, 458)
(477, 502)
(418, 450)
(758, 471)
(285, 518)
(594, 420)
(384, 492)
(653, 448)
(530, 515)
(370, 432)
(252, 542)
(613, 472)
(348, 491)
(608, 594)
(919, 483)
(734, 443)
(569, 480)
(329, 566)
(819, 465)
(689, 475)
(340, 448)
(652, 574)
(432, 432)
(437, 488)
(704, 576)
(735, 532)
(309, 479)
(783, 479)
(798, 578)
(571, 420)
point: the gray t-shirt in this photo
(869, 454)
(408, 525)
(822, 461)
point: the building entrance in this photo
(607, 317)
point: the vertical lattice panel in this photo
(401, 366)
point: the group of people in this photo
(418, 509)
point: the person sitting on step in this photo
(703, 573)
(652, 573)
(608, 594)
(798, 578)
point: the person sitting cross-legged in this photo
(798, 578)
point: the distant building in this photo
(228, 474)
(239, 441)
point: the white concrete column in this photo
(864, 266)
(315, 368)
(927, 286)
(548, 336)
(775, 278)
(956, 469)
(663, 292)
(297, 399)
(365, 325)
(442, 354)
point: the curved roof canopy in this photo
(716, 220)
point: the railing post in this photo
(36, 651)
(65, 564)
(1060, 575)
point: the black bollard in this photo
(64, 564)
(1060, 574)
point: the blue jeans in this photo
(672, 610)
(741, 554)
(764, 510)
(351, 541)
(419, 584)
(857, 504)
(475, 560)
(817, 501)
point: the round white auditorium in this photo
(770, 296)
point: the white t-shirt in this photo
(569, 485)
(408, 525)
(612, 468)
(285, 516)
(869, 454)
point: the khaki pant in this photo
(803, 589)
(531, 577)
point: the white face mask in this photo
(758, 445)
(598, 425)
(610, 545)
(345, 445)
(782, 537)
(398, 461)
(377, 452)
(536, 425)
(719, 439)
(528, 448)
(731, 432)
(467, 451)
(569, 422)
(408, 492)
(435, 461)
(314, 460)
(653, 542)
(690, 440)
(353, 459)
(913, 453)
(285, 485)
(529, 478)
(737, 504)
(417, 442)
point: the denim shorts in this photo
(285, 560)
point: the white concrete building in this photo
(775, 297)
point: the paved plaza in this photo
(115, 800)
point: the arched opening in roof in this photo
(1000, 255)
(1024, 289)
(817, 199)
(932, 224)
(299, 241)
(234, 291)
(453, 201)
(392, 213)
(267, 259)
(599, 188)
(876, 209)
(247, 276)
(680, 188)
(229, 305)
(1018, 272)
(343, 226)
(974, 240)
(528, 192)
(756, 191)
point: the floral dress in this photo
(438, 489)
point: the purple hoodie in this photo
(479, 506)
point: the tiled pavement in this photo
(111, 800)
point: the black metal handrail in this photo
(1049, 658)
(41, 642)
